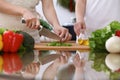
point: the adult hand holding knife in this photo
(63, 33)
(45, 32)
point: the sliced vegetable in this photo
(58, 44)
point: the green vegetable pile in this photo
(98, 50)
(55, 43)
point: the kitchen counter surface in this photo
(56, 67)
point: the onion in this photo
(113, 44)
(112, 61)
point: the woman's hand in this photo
(78, 63)
(53, 20)
(79, 68)
(63, 33)
(31, 70)
(79, 26)
(31, 20)
(62, 60)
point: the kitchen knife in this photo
(48, 58)
(45, 32)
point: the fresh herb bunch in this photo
(55, 43)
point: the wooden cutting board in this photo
(74, 47)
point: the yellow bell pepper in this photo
(1, 63)
(1, 42)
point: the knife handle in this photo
(39, 28)
(23, 20)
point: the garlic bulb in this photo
(112, 61)
(113, 44)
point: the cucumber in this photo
(28, 41)
(45, 24)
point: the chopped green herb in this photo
(58, 44)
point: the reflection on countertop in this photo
(70, 65)
(57, 65)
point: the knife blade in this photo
(45, 32)
(48, 58)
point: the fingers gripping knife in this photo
(45, 32)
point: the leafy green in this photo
(115, 25)
(98, 51)
(55, 43)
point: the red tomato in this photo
(117, 33)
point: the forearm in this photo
(50, 13)
(8, 8)
(79, 74)
(50, 73)
(80, 9)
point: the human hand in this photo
(79, 26)
(79, 68)
(31, 20)
(31, 70)
(63, 59)
(78, 63)
(63, 33)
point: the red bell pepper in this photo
(117, 33)
(11, 41)
(12, 63)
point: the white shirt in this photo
(99, 13)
